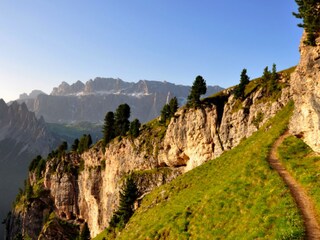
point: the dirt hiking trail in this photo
(298, 193)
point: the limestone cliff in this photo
(195, 136)
(74, 189)
(305, 88)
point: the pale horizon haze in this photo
(43, 43)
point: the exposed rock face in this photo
(305, 87)
(196, 136)
(94, 195)
(91, 101)
(86, 188)
(22, 137)
(89, 193)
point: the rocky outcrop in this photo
(86, 188)
(195, 136)
(305, 88)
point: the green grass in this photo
(304, 165)
(151, 135)
(236, 196)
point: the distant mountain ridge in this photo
(21, 125)
(105, 86)
(22, 137)
(90, 101)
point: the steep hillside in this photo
(236, 196)
(22, 136)
(79, 189)
(90, 101)
(210, 158)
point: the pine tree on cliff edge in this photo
(121, 119)
(108, 127)
(239, 89)
(309, 12)
(198, 88)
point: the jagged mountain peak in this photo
(62, 89)
(3, 105)
(22, 125)
(34, 94)
(105, 86)
(90, 101)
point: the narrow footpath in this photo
(298, 193)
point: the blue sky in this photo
(43, 43)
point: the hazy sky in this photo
(43, 42)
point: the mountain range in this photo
(90, 101)
(240, 164)
(26, 133)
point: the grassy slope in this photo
(236, 196)
(304, 165)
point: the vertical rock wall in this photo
(305, 88)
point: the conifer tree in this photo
(128, 195)
(63, 147)
(89, 141)
(266, 75)
(173, 104)
(169, 110)
(309, 12)
(121, 118)
(135, 128)
(244, 80)
(75, 145)
(273, 78)
(84, 143)
(198, 88)
(165, 113)
(108, 127)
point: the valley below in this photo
(109, 159)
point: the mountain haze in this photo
(22, 137)
(90, 102)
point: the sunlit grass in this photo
(236, 196)
(304, 165)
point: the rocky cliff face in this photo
(90, 101)
(305, 88)
(195, 136)
(22, 137)
(85, 188)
